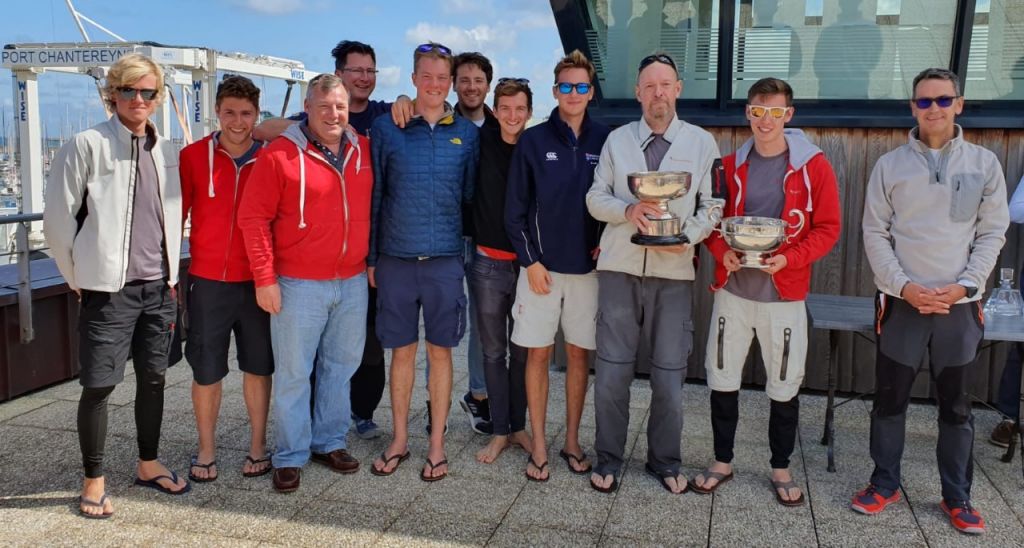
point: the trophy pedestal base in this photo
(753, 260)
(646, 239)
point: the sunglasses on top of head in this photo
(926, 102)
(128, 93)
(659, 57)
(565, 88)
(759, 111)
(520, 81)
(428, 47)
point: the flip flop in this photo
(154, 484)
(569, 458)
(539, 467)
(256, 462)
(195, 464)
(387, 460)
(709, 474)
(82, 501)
(610, 489)
(787, 485)
(432, 465)
(664, 479)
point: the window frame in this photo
(573, 21)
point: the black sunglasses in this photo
(520, 81)
(429, 47)
(659, 57)
(926, 102)
(129, 93)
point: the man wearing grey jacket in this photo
(646, 293)
(935, 218)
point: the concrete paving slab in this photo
(417, 528)
(22, 405)
(329, 523)
(508, 536)
(564, 502)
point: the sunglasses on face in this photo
(659, 57)
(926, 102)
(427, 48)
(520, 81)
(565, 88)
(759, 111)
(128, 93)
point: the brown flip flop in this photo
(387, 460)
(539, 467)
(787, 485)
(432, 466)
(709, 474)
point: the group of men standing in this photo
(326, 239)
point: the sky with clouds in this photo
(519, 36)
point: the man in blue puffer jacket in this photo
(556, 241)
(423, 176)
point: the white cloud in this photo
(389, 76)
(484, 38)
(272, 7)
(535, 20)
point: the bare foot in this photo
(150, 469)
(783, 475)
(491, 451)
(522, 439)
(708, 483)
(392, 452)
(93, 489)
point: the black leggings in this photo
(92, 420)
(782, 423)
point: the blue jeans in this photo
(477, 380)
(325, 319)
(1008, 400)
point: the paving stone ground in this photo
(481, 504)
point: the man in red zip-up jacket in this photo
(305, 218)
(221, 296)
(777, 173)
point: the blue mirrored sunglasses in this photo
(428, 47)
(565, 88)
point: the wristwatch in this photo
(971, 290)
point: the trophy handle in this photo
(799, 225)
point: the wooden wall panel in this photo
(853, 153)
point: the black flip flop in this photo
(432, 465)
(664, 480)
(569, 457)
(539, 467)
(196, 464)
(154, 484)
(256, 462)
(709, 474)
(82, 501)
(610, 489)
(787, 485)
(387, 460)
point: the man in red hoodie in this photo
(221, 297)
(777, 173)
(305, 218)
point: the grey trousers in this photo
(657, 311)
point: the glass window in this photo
(995, 66)
(841, 49)
(625, 31)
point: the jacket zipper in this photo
(234, 204)
(129, 209)
(344, 198)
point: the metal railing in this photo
(21, 254)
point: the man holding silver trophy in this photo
(782, 198)
(646, 277)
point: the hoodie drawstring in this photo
(212, 194)
(302, 187)
(807, 183)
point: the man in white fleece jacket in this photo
(935, 218)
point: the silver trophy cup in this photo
(658, 187)
(755, 238)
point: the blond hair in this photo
(576, 59)
(130, 69)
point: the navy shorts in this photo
(215, 310)
(406, 285)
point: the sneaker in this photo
(1003, 433)
(430, 420)
(479, 414)
(964, 517)
(870, 501)
(366, 429)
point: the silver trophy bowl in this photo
(658, 187)
(757, 237)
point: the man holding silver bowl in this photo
(782, 198)
(646, 277)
